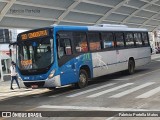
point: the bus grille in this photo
(29, 84)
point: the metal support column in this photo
(1, 70)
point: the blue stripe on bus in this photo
(72, 28)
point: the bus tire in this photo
(83, 79)
(131, 67)
(52, 88)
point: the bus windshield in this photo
(35, 54)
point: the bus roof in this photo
(101, 27)
(95, 28)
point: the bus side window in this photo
(129, 39)
(64, 47)
(94, 41)
(145, 40)
(108, 40)
(80, 42)
(119, 39)
(60, 48)
(138, 39)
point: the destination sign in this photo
(35, 34)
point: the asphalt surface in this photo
(115, 92)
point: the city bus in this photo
(62, 55)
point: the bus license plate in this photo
(34, 86)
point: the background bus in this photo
(62, 55)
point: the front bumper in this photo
(53, 82)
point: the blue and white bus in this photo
(62, 55)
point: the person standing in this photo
(13, 75)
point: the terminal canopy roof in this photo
(41, 13)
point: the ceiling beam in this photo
(38, 5)
(110, 11)
(138, 10)
(151, 18)
(66, 12)
(129, 23)
(158, 26)
(130, 6)
(70, 21)
(120, 13)
(97, 3)
(136, 16)
(45, 19)
(31, 17)
(6, 8)
(6, 1)
(86, 12)
(155, 28)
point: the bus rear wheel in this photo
(83, 79)
(131, 67)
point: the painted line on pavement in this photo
(126, 92)
(90, 90)
(64, 93)
(109, 90)
(149, 93)
(88, 108)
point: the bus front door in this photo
(68, 73)
(66, 61)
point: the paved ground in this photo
(116, 92)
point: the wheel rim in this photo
(82, 79)
(131, 67)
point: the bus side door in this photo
(66, 61)
(67, 71)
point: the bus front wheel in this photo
(83, 79)
(131, 67)
(52, 88)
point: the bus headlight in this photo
(51, 75)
